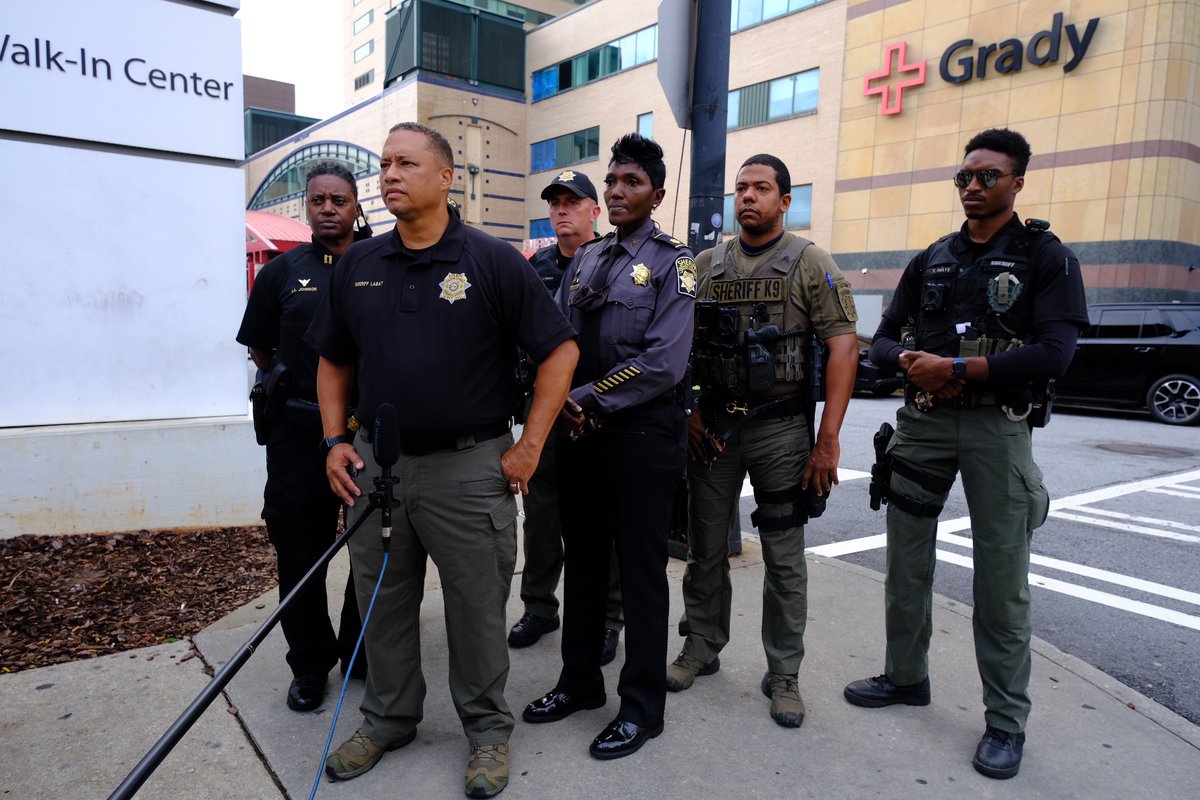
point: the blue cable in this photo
(346, 680)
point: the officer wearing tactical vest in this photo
(763, 299)
(981, 321)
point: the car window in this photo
(1117, 323)
(1182, 320)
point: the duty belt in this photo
(790, 406)
(423, 446)
(970, 398)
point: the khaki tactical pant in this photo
(774, 452)
(1006, 500)
(454, 507)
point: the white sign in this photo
(144, 73)
(124, 290)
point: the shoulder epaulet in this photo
(594, 243)
(667, 238)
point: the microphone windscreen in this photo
(386, 438)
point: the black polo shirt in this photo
(435, 332)
(282, 303)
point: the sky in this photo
(298, 42)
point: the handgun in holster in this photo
(881, 470)
(267, 399)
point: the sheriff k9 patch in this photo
(454, 287)
(685, 271)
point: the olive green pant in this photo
(456, 508)
(543, 547)
(774, 453)
(1006, 501)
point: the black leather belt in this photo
(970, 398)
(767, 409)
(422, 446)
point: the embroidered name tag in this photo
(747, 290)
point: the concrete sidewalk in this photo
(75, 730)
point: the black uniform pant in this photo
(616, 488)
(302, 516)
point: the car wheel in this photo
(1174, 399)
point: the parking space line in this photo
(1174, 493)
(1163, 523)
(1093, 595)
(1122, 489)
(1124, 526)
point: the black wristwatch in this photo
(333, 441)
(959, 369)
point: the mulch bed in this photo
(65, 598)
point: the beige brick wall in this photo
(1099, 174)
(808, 144)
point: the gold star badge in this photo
(566, 175)
(454, 287)
(640, 274)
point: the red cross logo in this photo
(893, 97)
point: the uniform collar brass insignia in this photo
(454, 287)
(640, 274)
(328, 259)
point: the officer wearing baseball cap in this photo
(576, 182)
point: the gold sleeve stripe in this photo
(616, 379)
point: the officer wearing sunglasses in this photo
(980, 322)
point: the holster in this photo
(267, 399)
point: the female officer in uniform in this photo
(622, 447)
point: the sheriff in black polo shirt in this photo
(429, 319)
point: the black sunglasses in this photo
(988, 177)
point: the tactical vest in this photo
(742, 304)
(980, 307)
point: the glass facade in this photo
(286, 181)
(629, 51)
(751, 12)
(789, 96)
(799, 213)
(541, 229)
(454, 41)
(562, 151)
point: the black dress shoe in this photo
(622, 739)
(879, 691)
(999, 753)
(556, 705)
(529, 628)
(611, 637)
(306, 692)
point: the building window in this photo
(356, 2)
(365, 79)
(751, 12)
(363, 51)
(799, 213)
(629, 51)
(364, 21)
(286, 180)
(562, 151)
(789, 96)
(645, 124)
(541, 229)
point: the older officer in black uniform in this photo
(300, 511)
(574, 207)
(630, 296)
(428, 319)
(980, 321)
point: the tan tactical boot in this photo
(358, 754)
(682, 672)
(487, 770)
(787, 706)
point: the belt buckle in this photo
(923, 401)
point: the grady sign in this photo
(962, 61)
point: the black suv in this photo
(1137, 355)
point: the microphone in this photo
(386, 438)
(386, 444)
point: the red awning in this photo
(266, 231)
